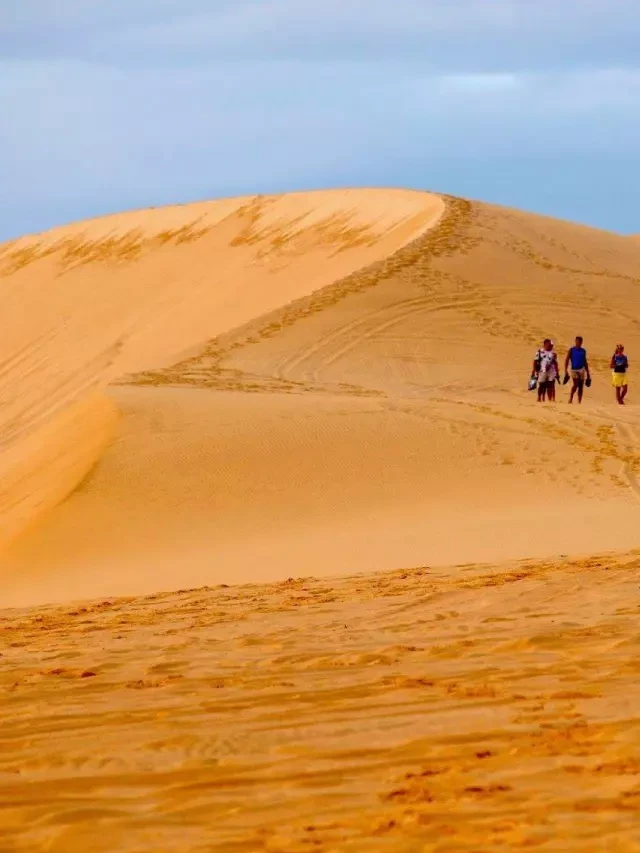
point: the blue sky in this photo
(114, 104)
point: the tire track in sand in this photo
(448, 236)
(417, 306)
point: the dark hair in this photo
(546, 341)
(579, 338)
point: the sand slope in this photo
(284, 390)
(378, 420)
(92, 300)
(484, 709)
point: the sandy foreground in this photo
(272, 404)
(478, 709)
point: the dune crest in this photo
(344, 421)
(297, 388)
(93, 300)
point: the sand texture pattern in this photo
(479, 709)
(376, 419)
(93, 300)
(290, 559)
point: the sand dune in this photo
(211, 488)
(283, 391)
(378, 420)
(93, 300)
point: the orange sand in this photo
(312, 386)
(479, 709)
(93, 300)
(377, 421)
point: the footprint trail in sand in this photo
(301, 394)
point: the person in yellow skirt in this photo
(620, 366)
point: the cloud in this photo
(481, 82)
(113, 105)
(444, 35)
(476, 35)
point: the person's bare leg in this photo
(551, 391)
(541, 390)
(623, 393)
(574, 388)
(580, 390)
(618, 395)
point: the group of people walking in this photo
(546, 372)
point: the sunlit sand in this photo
(309, 415)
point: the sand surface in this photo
(91, 301)
(375, 420)
(481, 709)
(285, 392)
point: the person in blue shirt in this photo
(580, 374)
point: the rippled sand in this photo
(477, 708)
(268, 403)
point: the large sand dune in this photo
(90, 301)
(374, 416)
(282, 390)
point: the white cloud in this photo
(482, 82)
(445, 35)
(109, 104)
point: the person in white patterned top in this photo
(546, 371)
